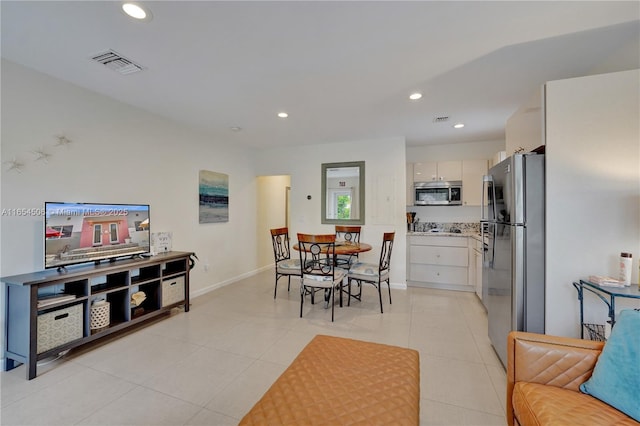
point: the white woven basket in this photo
(99, 316)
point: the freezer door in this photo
(508, 190)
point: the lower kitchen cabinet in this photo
(438, 261)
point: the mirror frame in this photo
(361, 191)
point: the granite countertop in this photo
(474, 235)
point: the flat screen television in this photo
(90, 232)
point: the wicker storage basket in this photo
(58, 327)
(100, 316)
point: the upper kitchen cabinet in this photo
(441, 170)
(525, 128)
(472, 173)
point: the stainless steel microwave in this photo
(438, 193)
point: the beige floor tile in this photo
(197, 326)
(210, 365)
(14, 386)
(208, 418)
(236, 399)
(460, 383)
(286, 348)
(248, 339)
(487, 353)
(143, 406)
(141, 362)
(200, 375)
(68, 401)
(440, 343)
(433, 413)
(499, 380)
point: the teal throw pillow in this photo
(616, 376)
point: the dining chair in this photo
(319, 271)
(347, 234)
(284, 265)
(372, 273)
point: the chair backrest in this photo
(385, 252)
(280, 240)
(317, 254)
(348, 233)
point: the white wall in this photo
(593, 189)
(455, 151)
(384, 190)
(119, 154)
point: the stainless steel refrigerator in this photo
(513, 266)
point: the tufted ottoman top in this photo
(338, 381)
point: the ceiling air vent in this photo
(117, 62)
(440, 119)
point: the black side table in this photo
(631, 292)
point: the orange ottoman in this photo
(338, 381)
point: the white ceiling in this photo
(342, 70)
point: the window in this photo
(113, 232)
(341, 204)
(65, 231)
(97, 234)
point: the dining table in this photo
(345, 248)
(342, 248)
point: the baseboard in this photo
(208, 289)
(224, 283)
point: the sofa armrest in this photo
(551, 360)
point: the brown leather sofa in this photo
(543, 378)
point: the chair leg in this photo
(349, 293)
(333, 301)
(289, 284)
(275, 290)
(380, 295)
(389, 286)
(301, 298)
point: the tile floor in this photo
(209, 366)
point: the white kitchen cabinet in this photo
(472, 173)
(425, 171)
(439, 261)
(441, 170)
(410, 190)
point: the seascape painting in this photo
(214, 197)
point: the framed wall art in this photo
(213, 190)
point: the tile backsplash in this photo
(464, 227)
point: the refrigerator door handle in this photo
(486, 180)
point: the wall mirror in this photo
(343, 193)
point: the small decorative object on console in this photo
(99, 314)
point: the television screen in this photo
(83, 232)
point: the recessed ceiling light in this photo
(458, 126)
(283, 115)
(136, 11)
(235, 128)
(415, 96)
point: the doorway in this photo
(273, 210)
